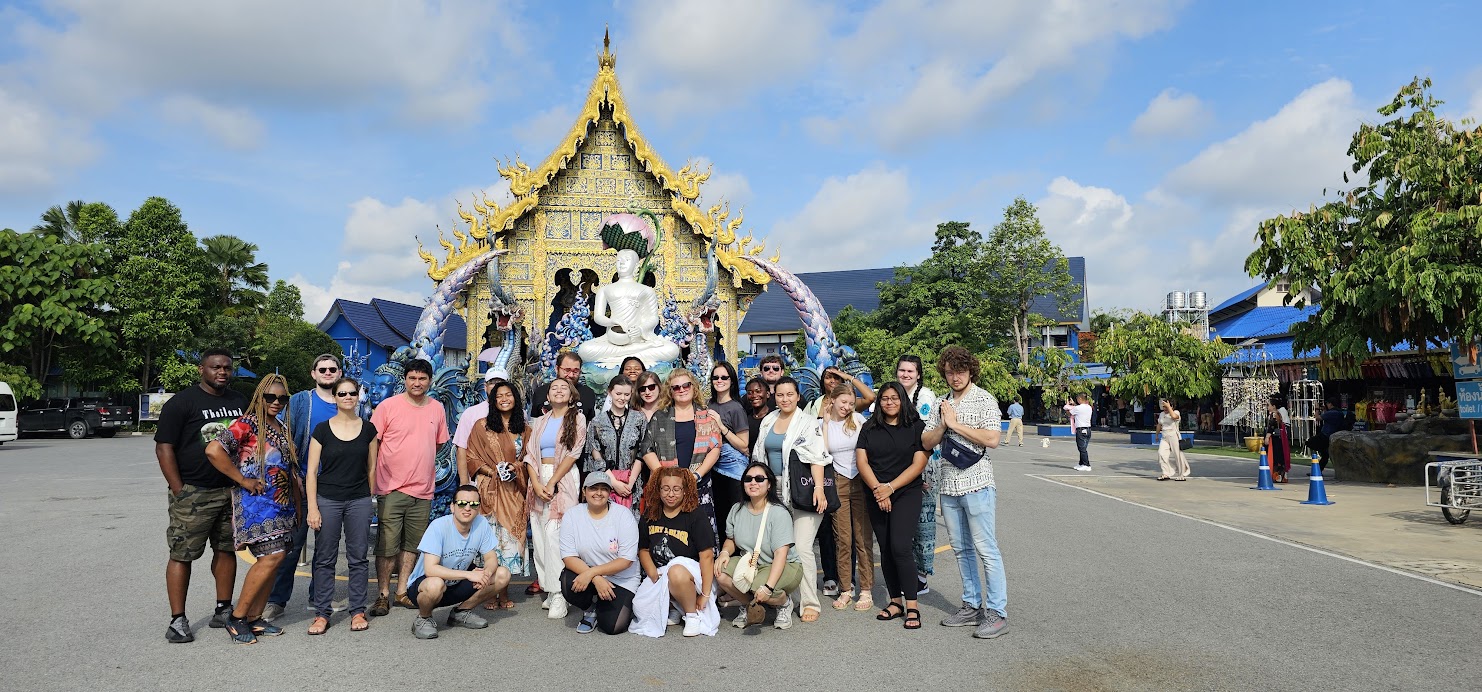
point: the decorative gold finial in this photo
(606, 61)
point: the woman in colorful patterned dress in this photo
(257, 453)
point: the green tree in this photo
(160, 291)
(1054, 371)
(288, 346)
(1148, 356)
(1019, 264)
(61, 222)
(1398, 257)
(240, 279)
(1104, 320)
(49, 291)
(20, 381)
(285, 299)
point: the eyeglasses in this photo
(771, 368)
(275, 398)
(754, 479)
(466, 503)
(720, 378)
(648, 388)
(347, 393)
(682, 386)
(326, 371)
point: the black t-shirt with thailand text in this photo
(189, 421)
(685, 535)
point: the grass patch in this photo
(1239, 452)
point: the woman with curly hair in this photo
(256, 452)
(687, 435)
(676, 549)
(556, 440)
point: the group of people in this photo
(657, 504)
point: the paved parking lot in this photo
(1103, 595)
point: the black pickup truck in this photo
(78, 417)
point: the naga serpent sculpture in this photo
(823, 347)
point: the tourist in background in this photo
(676, 551)
(909, 373)
(1016, 421)
(200, 497)
(410, 427)
(761, 540)
(256, 452)
(1332, 421)
(1278, 440)
(309, 408)
(735, 433)
(599, 559)
(496, 467)
(968, 418)
(342, 462)
(891, 459)
(851, 522)
(555, 443)
(1080, 421)
(687, 435)
(613, 438)
(1168, 422)
(785, 432)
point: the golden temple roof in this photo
(526, 184)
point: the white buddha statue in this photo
(632, 327)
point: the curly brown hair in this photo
(957, 358)
(653, 504)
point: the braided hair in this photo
(257, 409)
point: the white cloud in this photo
(379, 249)
(862, 220)
(1171, 115)
(37, 146)
(928, 67)
(538, 135)
(235, 128)
(700, 56)
(722, 187)
(1282, 162)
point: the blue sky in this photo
(1154, 135)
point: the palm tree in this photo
(61, 223)
(242, 279)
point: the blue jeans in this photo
(1083, 445)
(283, 584)
(973, 534)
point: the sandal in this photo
(1163, 478)
(887, 613)
(239, 631)
(320, 625)
(913, 619)
(810, 614)
(866, 602)
(843, 601)
(496, 603)
(359, 622)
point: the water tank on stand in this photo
(1176, 300)
(1196, 300)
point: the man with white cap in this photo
(471, 417)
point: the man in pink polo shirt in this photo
(410, 427)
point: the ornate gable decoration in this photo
(488, 218)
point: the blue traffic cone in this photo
(1317, 493)
(1263, 479)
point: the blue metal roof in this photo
(1262, 322)
(773, 312)
(1239, 298)
(390, 324)
(1278, 349)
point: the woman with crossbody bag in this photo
(785, 434)
(758, 565)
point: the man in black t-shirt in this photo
(568, 367)
(200, 502)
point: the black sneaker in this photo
(218, 620)
(921, 588)
(179, 631)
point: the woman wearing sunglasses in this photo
(652, 395)
(256, 452)
(556, 440)
(787, 432)
(890, 459)
(758, 564)
(493, 457)
(687, 435)
(342, 462)
(735, 432)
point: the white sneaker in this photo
(545, 603)
(691, 624)
(558, 608)
(739, 622)
(1082, 467)
(675, 617)
(784, 614)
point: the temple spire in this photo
(606, 60)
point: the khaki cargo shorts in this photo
(403, 519)
(198, 514)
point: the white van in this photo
(8, 430)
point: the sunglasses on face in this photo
(275, 398)
(754, 479)
(720, 378)
(326, 371)
(771, 368)
(347, 393)
(682, 386)
(466, 503)
(648, 388)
